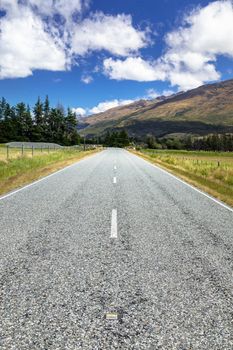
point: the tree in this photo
(46, 108)
(24, 121)
(116, 139)
(71, 136)
(39, 127)
(123, 138)
(46, 116)
(151, 142)
(38, 113)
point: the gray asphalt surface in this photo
(167, 275)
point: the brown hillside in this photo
(203, 110)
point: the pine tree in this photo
(71, 136)
(38, 113)
(39, 126)
(46, 108)
(24, 121)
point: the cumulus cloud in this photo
(114, 34)
(62, 7)
(104, 106)
(191, 53)
(32, 37)
(100, 107)
(194, 48)
(25, 45)
(152, 93)
(132, 68)
(79, 111)
(86, 79)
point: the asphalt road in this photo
(113, 253)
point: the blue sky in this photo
(92, 55)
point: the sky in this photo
(91, 55)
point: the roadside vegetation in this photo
(18, 171)
(213, 142)
(116, 139)
(41, 123)
(210, 171)
(204, 161)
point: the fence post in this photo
(41, 149)
(48, 149)
(7, 152)
(32, 151)
(22, 151)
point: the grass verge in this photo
(211, 172)
(18, 172)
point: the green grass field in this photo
(210, 171)
(18, 171)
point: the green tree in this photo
(123, 138)
(39, 126)
(71, 136)
(24, 121)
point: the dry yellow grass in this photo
(208, 171)
(20, 171)
(27, 152)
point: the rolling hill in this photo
(204, 110)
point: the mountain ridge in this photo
(200, 111)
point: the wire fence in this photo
(15, 150)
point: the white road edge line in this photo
(114, 224)
(114, 180)
(40, 180)
(187, 184)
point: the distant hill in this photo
(201, 111)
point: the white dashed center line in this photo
(114, 180)
(114, 224)
(114, 167)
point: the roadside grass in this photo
(20, 171)
(209, 171)
(27, 152)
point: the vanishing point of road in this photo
(115, 253)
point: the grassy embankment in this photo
(19, 171)
(209, 171)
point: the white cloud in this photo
(104, 106)
(152, 93)
(86, 79)
(168, 92)
(32, 38)
(132, 68)
(114, 34)
(194, 48)
(25, 44)
(191, 54)
(101, 107)
(79, 111)
(63, 7)
(208, 30)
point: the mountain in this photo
(201, 111)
